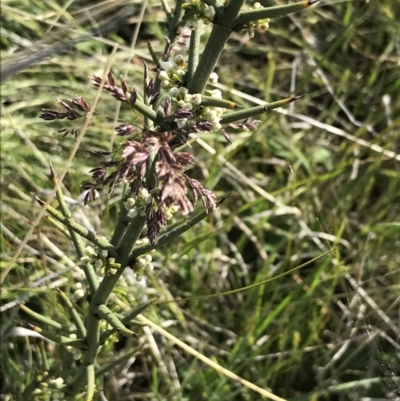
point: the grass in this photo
(323, 173)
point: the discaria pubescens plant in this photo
(178, 102)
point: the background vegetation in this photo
(323, 173)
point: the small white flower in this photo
(188, 98)
(183, 91)
(216, 93)
(148, 258)
(149, 267)
(196, 99)
(179, 59)
(130, 202)
(143, 193)
(89, 251)
(213, 78)
(257, 6)
(78, 294)
(209, 12)
(191, 24)
(78, 286)
(174, 208)
(174, 92)
(264, 26)
(181, 104)
(165, 83)
(216, 127)
(104, 253)
(163, 75)
(167, 65)
(132, 213)
(181, 122)
(85, 259)
(111, 260)
(211, 114)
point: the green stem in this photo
(194, 51)
(80, 327)
(76, 237)
(217, 102)
(89, 358)
(154, 55)
(255, 111)
(167, 10)
(91, 383)
(215, 45)
(60, 339)
(121, 227)
(105, 313)
(128, 242)
(101, 242)
(271, 12)
(126, 319)
(224, 22)
(40, 318)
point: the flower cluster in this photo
(172, 77)
(251, 27)
(197, 10)
(100, 261)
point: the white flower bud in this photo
(183, 91)
(167, 65)
(196, 99)
(148, 258)
(163, 75)
(165, 83)
(181, 122)
(89, 251)
(179, 59)
(174, 208)
(213, 77)
(143, 193)
(104, 253)
(216, 93)
(174, 92)
(209, 12)
(132, 213)
(149, 267)
(131, 202)
(191, 24)
(216, 127)
(257, 6)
